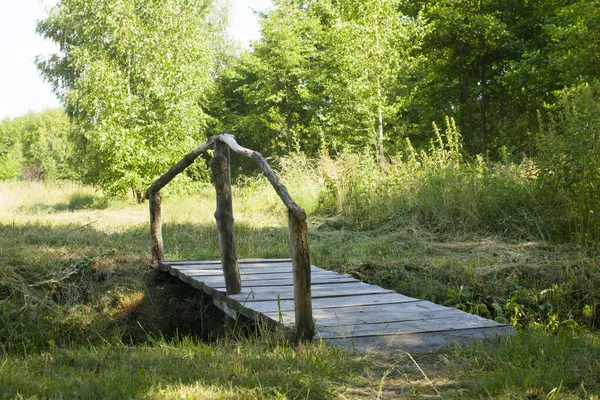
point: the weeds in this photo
(534, 364)
(77, 296)
(379, 225)
(178, 369)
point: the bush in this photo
(435, 188)
(569, 161)
(35, 146)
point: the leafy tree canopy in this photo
(134, 76)
(35, 146)
(325, 75)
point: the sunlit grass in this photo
(179, 369)
(81, 308)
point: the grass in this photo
(180, 369)
(82, 314)
(537, 365)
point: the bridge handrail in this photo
(297, 225)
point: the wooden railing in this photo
(298, 231)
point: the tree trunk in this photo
(482, 81)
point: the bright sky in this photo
(21, 87)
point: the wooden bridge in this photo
(293, 293)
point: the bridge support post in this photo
(158, 253)
(301, 271)
(220, 167)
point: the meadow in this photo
(84, 315)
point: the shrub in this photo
(436, 188)
(569, 161)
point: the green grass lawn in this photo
(84, 316)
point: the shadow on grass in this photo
(180, 369)
(64, 284)
(77, 202)
(66, 287)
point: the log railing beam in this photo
(178, 168)
(298, 231)
(280, 189)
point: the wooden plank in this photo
(332, 302)
(218, 282)
(243, 270)
(325, 290)
(405, 327)
(317, 275)
(419, 342)
(244, 261)
(363, 300)
(376, 314)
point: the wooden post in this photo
(224, 217)
(158, 254)
(301, 270)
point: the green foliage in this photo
(575, 33)
(533, 364)
(570, 160)
(36, 146)
(75, 286)
(326, 75)
(134, 77)
(268, 96)
(335, 75)
(182, 369)
(436, 188)
(11, 160)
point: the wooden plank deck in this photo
(348, 312)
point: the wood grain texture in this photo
(220, 167)
(298, 230)
(347, 312)
(156, 240)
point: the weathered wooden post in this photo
(301, 271)
(158, 254)
(153, 195)
(224, 216)
(298, 241)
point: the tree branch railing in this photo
(297, 225)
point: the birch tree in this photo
(133, 75)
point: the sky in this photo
(22, 89)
